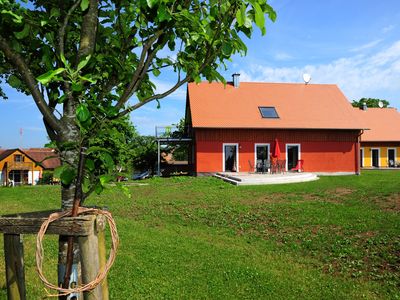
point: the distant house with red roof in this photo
(235, 127)
(26, 166)
(380, 144)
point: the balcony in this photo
(20, 166)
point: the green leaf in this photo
(88, 78)
(227, 48)
(43, 22)
(90, 164)
(82, 113)
(67, 176)
(104, 179)
(151, 3)
(16, 18)
(163, 13)
(65, 173)
(156, 72)
(248, 23)
(98, 188)
(54, 12)
(14, 81)
(48, 76)
(107, 160)
(271, 12)
(77, 87)
(24, 33)
(83, 63)
(259, 17)
(86, 185)
(58, 171)
(240, 17)
(84, 5)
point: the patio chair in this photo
(299, 166)
(259, 165)
(266, 166)
(391, 163)
(253, 168)
(274, 165)
(282, 165)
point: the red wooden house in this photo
(234, 127)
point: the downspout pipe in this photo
(358, 167)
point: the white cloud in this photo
(366, 46)
(282, 56)
(358, 76)
(388, 28)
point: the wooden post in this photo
(15, 273)
(100, 227)
(90, 264)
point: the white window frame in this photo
(379, 157)
(395, 154)
(286, 153)
(255, 150)
(362, 157)
(237, 155)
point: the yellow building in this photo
(380, 143)
(26, 166)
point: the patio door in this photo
(230, 158)
(262, 155)
(292, 155)
(391, 157)
(375, 157)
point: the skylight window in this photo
(268, 112)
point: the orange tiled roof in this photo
(311, 106)
(384, 124)
(42, 155)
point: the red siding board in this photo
(322, 150)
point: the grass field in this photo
(201, 238)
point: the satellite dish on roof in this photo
(380, 104)
(306, 78)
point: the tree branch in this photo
(136, 75)
(154, 97)
(61, 32)
(88, 32)
(18, 62)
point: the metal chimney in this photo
(236, 81)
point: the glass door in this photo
(262, 156)
(230, 157)
(391, 158)
(375, 158)
(292, 154)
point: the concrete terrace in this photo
(243, 178)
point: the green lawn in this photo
(201, 238)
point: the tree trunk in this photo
(69, 145)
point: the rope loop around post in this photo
(100, 276)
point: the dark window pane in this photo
(268, 112)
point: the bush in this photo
(47, 178)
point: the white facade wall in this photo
(36, 176)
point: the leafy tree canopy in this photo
(89, 62)
(371, 102)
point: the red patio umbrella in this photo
(277, 150)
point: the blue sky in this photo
(352, 43)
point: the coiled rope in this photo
(102, 273)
